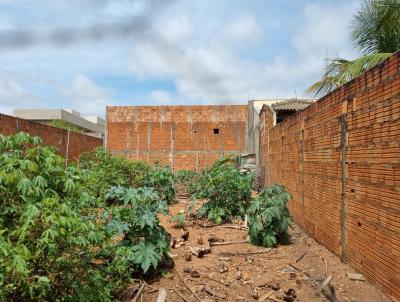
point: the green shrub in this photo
(107, 171)
(179, 220)
(185, 181)
(144, 243)
(59, 241)
(268, 216)
(226, 190)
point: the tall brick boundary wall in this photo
(180, 136)
(340, 159)
(77, 143)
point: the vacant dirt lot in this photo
(243, 272)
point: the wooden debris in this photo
(216, 280)
(138, 294)
(182, 297)
(184, 282)
(355, 277)
(266, 296)
(230, 254)
(212, 238)
(215, 293)
(299, 270)
(228, 242)
(236, 227)
(325, 268)
(328, 290)
(301, 257)
(162, 295)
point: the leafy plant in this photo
(59, 239)
(268, 216)
(144, 241)
(185, 181)
(107, 171)
(162, 180)
(179, 220)
(227, 191)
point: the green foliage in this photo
(107, 171)
(269, 217)
(65, 125)
(179, 220)
(185, 181)
(376, 27)
(340, 71)
(375, 33)
(227, 191)
(162, 180)
(60, 238)
(144, 240)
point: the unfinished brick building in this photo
(184, 137)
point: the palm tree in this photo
(375, 34)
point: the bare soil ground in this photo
(298, 269)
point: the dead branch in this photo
(162, 294)
(236, 227)
(228, 242)
(266, 296)
(301, 257)
(230, 254)
(299, 269)
(184, 282)
(138, 294)
(325, 268)
(223, 283)
(182, 297)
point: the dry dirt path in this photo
(299, 268)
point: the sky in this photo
(87, 54)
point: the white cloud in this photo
(86, 96)
(326, 27)
(217, 70)
(205, 48)
(160, 97)
(13, 95)
(244, 28)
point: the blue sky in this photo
(175, 51)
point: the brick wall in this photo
(180, 136)
(78, 143)
(340, 159)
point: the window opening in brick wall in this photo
(216, 130)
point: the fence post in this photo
(302, 178)
(67, 148)
(343, 213)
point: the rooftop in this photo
(92, 124)
(293, 105)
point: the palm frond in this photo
(341, 71)
(375, 28)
